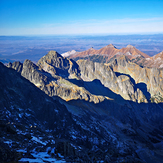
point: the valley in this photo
(19, 48)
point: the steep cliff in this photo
(150, 80)
(119, 84)
(53, 84)
(54, 63)
(120, 79)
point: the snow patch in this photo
(21, 151)
(68, 53)
(158, 59)
(119, 53)
(60, 155)
(129, 46)
(161, 66)
(27, 114)
(128, 53)
(42, 157)
(20, 115)
(74, 137)
(48, 149)
(38, 140)
(53, 150)
(8, 142)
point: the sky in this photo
(80, 17)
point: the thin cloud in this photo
(93, 26)
(125, 20)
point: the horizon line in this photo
(87, 34)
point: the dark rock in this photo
(7, 154)
(28, 136)
(65, 148)
(11, 129)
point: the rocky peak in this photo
(110, 46)
(118, 83)
(91, 48)
(52, 55)
(16, 65)
(28, 63)
(50, 58)
(55, 64)
(161, 53)
(148, 79)
(129, 46)
(121, 60)
(155, 61)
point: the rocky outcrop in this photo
(118, 84)
(16, 65)
(7, 154)
(32, 72)
(156, 61)
(149, 79)
(55, 64)
(121, 77)
(55, 85)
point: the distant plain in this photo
(19, 48)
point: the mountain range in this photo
(82, 111)
(108, 52)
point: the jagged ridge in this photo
(96, 120)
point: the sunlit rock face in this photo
(54, 63)
(145, 72)
(156, 61)
(51, 80)
(118, 83)
(52, 74)
(104, 54)
(150, 80)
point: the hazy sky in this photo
(35, 17)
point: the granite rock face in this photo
(16, 65)
(119, 84)
(59, 76)
(54, 63)
(55, 85)
(32, 72)
(150, 80)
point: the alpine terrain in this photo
(93, 106)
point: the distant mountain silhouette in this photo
(110, 51)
